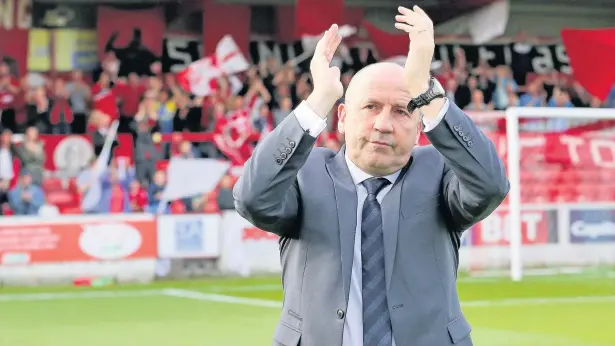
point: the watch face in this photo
(437, 87)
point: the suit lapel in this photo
(390, 219)
(346, 202)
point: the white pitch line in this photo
(219, 298)
(472, 303)
(77, 295)
(538, 301)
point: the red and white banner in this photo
(581, 151)
(26, 242)
(71, 152)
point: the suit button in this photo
(466, 138)
(470, 143)
(340, 314)
(460, 133)
(292, 143)
(456, 127)
(278, 161)
(288, 150)
(283, 156)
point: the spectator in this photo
(27, 197)
(89, 187)
(146, 154)
(505, 86)
(130, 94)
(166, 112)
(104, 97)
(225, 194)
(99, 137)
(37, 108)
(137, 196)
(79, 95)
(534, 96)
(6, 166)
(451, 89)
(187, 151)
(478, 102)
(114, 195)
(284, 109)
(155, 192)
(9, 88)
(32, 155)
(61, 114)
(560, 98)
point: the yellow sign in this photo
(73, 49)
(39, 54)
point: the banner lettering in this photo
(537, 227)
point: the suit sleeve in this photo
(267, 193)
(474, 179)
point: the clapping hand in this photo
(419, 27)
(328, 87)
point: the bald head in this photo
(378, 129)
(373, 75)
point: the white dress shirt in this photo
(353, 325)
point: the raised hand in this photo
(419, 27)
(328, 87)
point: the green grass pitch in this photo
(565, 310)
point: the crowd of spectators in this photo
(151, 106)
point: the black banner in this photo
(523, 59)
(63, 16)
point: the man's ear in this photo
(419, 132)
(341, 117)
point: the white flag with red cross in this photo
(200, 77)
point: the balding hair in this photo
(365, 72)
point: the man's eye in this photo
(370, 107)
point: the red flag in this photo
(592, 58)
(312, 17)
(387, 44)
(200, 77)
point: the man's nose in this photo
(383, 121)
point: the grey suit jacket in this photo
(306, 195)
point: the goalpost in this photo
(581, 193)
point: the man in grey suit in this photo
(369, 237)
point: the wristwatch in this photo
(435, 91)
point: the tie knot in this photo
(374, 185)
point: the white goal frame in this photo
(514, 166)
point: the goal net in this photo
(559, 216)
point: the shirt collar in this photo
(359, 176)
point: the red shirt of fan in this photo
(138, 199)
(105, 101)
(131, 97)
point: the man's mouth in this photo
(380, 143)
